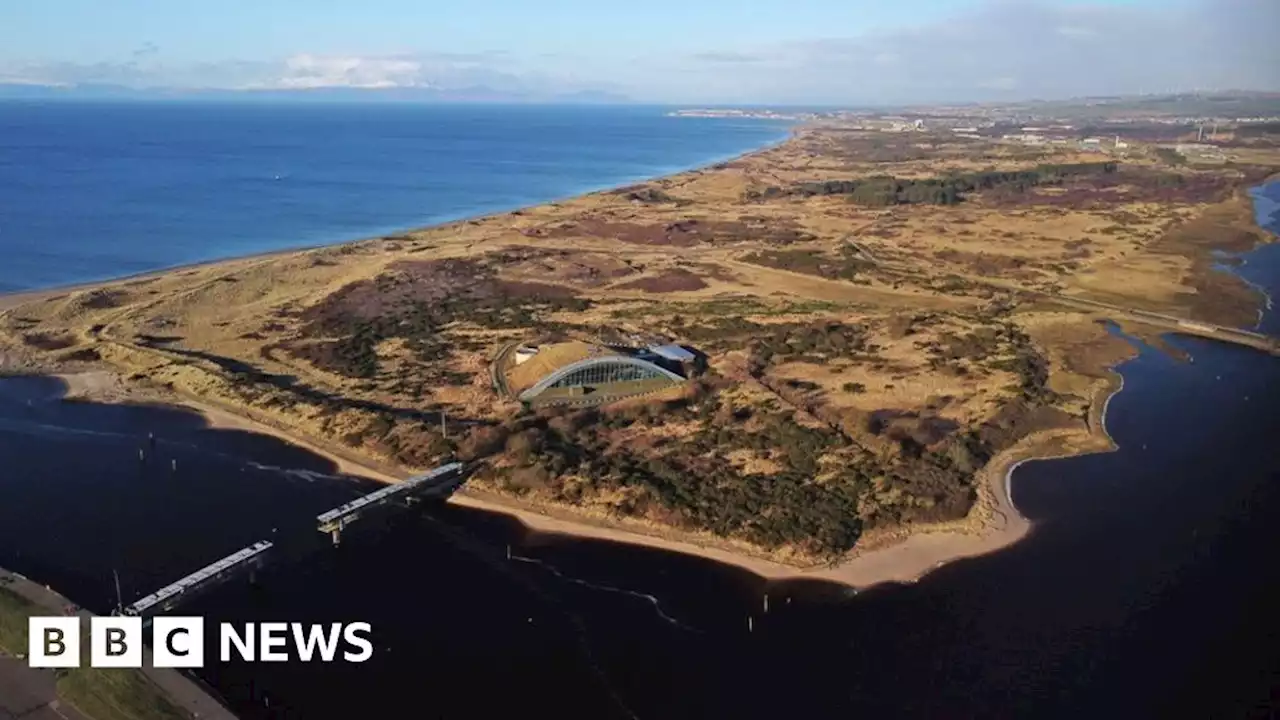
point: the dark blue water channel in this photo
(1148, 587)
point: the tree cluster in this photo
(811, 262)
(818, 341)
(420, 323)
(885, 190)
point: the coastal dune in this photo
(900, 362)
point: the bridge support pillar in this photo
(337, 537)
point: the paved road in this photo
(1239, 336)
(30, 694)
(27, 683)
(1190, 327)
(498, 374)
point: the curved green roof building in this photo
(600, 379)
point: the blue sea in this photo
(95, 191)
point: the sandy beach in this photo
(995, 522)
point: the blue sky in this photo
(258, 29)
(829, 51)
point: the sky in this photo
(828, 52)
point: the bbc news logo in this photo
(179, 642)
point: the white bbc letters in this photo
(231, 637)
(352, 636)
(115, 642)
(177, 642)
(274, 635)
(53, 642)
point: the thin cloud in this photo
(146, 50)
(312, 71)
(727, 57)
(1000, 83)
(487, 56)
(1073, 31)
(1036, 48)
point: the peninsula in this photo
(819, 360)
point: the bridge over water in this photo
(438, 483)
(245, 559)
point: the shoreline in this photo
(185, 692)
(1268, 302)
(919, 552)
(993, 524)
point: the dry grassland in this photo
(865, 362)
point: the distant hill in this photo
(1239, 103)
(53, 92)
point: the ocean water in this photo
(95, 191)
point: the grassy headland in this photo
(886, 316)
(116, 694)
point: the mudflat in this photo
(890, 321)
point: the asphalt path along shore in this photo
(30, 693)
